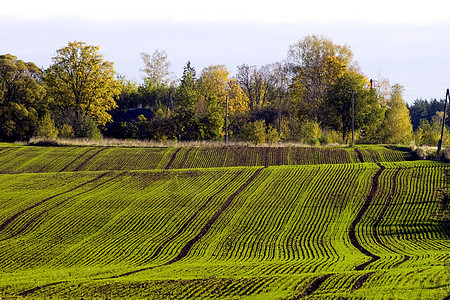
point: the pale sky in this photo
(407, 42)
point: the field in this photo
(221, 223)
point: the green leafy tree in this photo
(315, 63)
(396, 127)
(310, 132)
(429, 133)
(80, 80)
(129, 94)
(22, 98)
(213, 120)
(338, 106)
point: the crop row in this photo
(283, 233)
(310, 213)
(398, 224)
(33, 159)
(420, 283)
(376, 153)
(121, 218)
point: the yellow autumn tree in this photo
(214, 81)
(80, 80)
(237, 100)
(315, 63)
(396, 127)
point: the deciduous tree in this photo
(155, 91)
(215, 81)
(157, 68)
(338, 105)
(396, 127)
(262, 86)
(22, 101)
(80, 80)
(315, 63)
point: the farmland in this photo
(221, 223)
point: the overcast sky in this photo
(407, 42)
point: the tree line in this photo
(306, 98)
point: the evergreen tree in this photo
(187, 93)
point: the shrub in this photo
(66, 132)
(331, 137)
(310, 132)
(254, 132)
(47, 128)
(85, 127)
(272, 136)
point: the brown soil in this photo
(174, 155)
(88, 159)
(353, 240)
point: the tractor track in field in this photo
(360, 156)
(312, 287)
(383, 212)
(32, 220)
(360, 281)
(187, 247)
(30, 291)
(188, 222)
(185, 250)
(16, 215)
(78, 168)
(174, 155)
(65, 169)
(353, 240)
(185, 158)
(405, 259)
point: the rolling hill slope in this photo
(187, 223)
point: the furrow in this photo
(354, 241)
(312, 287)
(32, 220)
(80, 166)
(15, 216)
(185, 250)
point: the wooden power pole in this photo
(447, 96)
(279, 116)
(226, 120)
(353, 118)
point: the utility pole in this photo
(447, 96)
(353, 118)
(279, 116)
(226, 120)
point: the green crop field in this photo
(221, 223)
